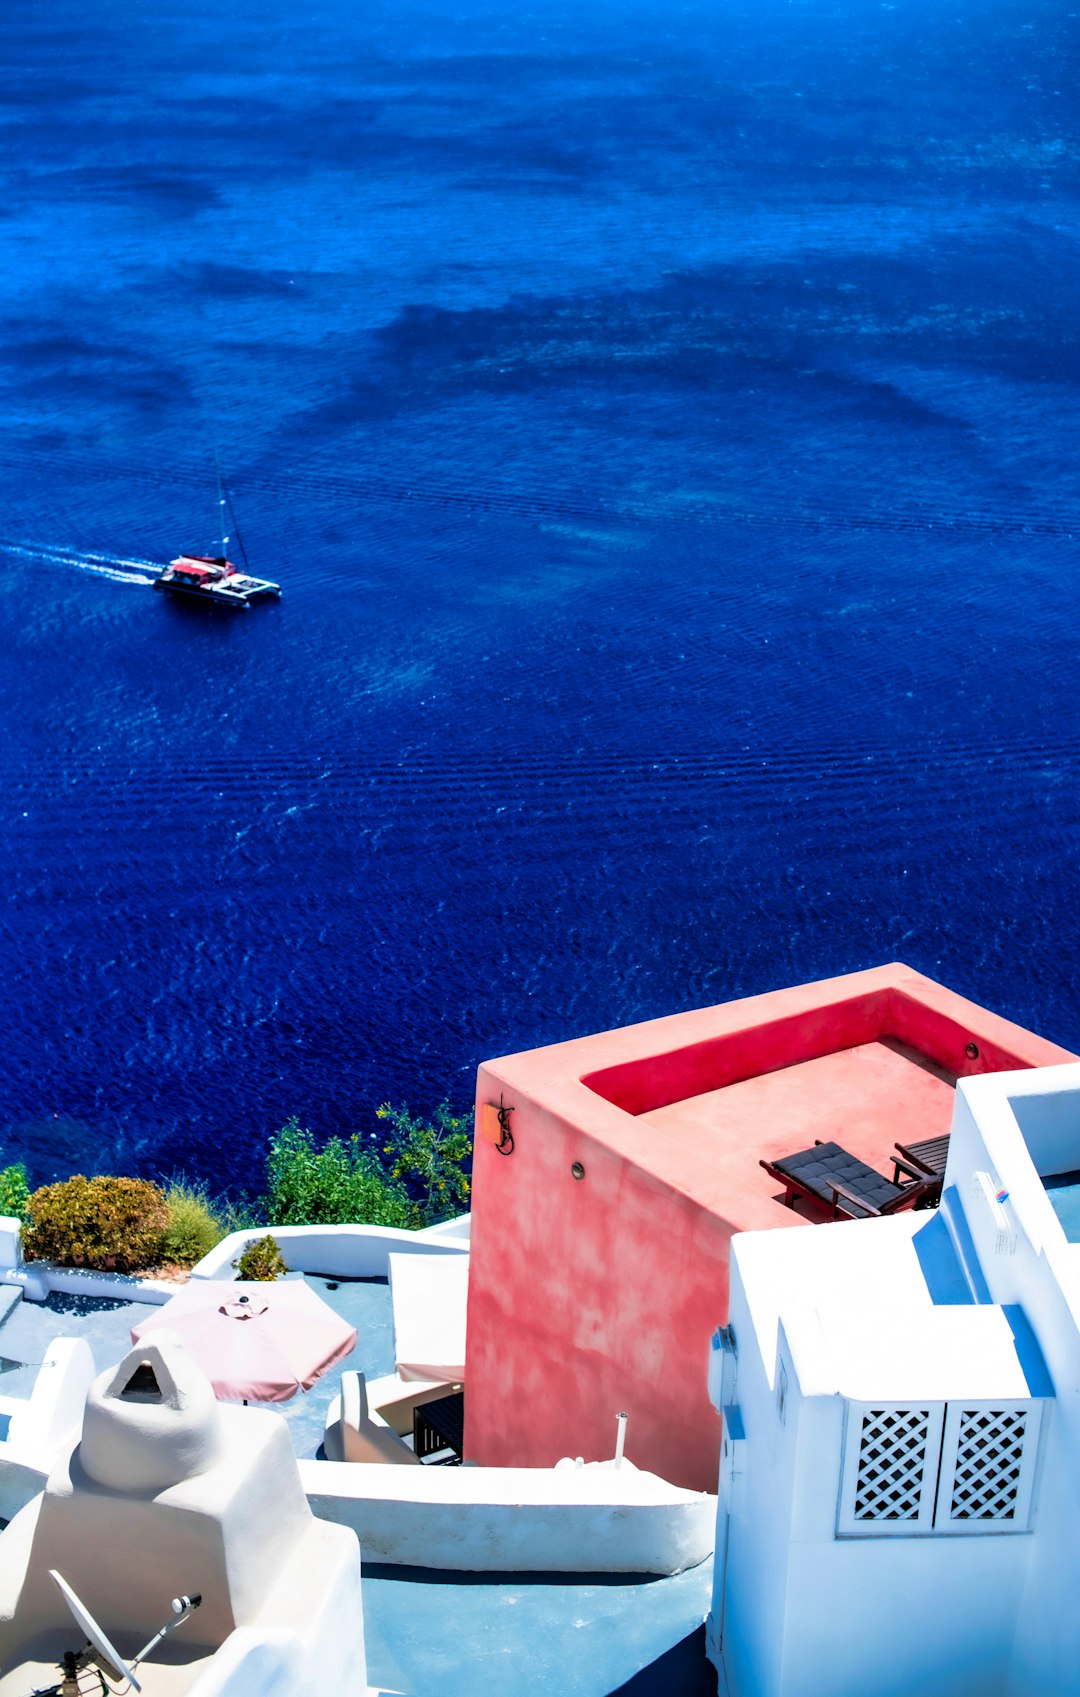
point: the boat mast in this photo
(225, 508)
(221, 510)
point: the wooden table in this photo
(440, 1425)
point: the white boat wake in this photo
(112, 566)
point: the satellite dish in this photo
(111, 1660)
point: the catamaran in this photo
(212, 578)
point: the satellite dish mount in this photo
(98, 1651)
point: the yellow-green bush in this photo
(196, 1223)
(262, 1260)
(107, 1223)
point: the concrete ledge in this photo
(346, 1252)
(515, 1519)
(36, 1279)
(45, 1424)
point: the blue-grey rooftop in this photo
(106, 1327)
(430, 1633)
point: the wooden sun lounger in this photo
(847, 1186)
(929, 1156)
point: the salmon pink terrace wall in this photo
(597, 1293)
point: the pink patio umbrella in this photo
(255, 1342)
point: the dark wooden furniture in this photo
(929, 1156)
(849, 1188)
(440, 1425)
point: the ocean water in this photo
(663, 420)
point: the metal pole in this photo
(620, 1439)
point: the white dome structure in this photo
(170, 1493)
(147, 1426)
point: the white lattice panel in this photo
(890, 1470)
(988, 1467)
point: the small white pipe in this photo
(620, 1439)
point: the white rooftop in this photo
(881, 1309)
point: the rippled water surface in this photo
(663, 421)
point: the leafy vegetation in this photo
(109, 1223)
(14, 1192)
(431, 1159)
(411, 1172)
(262, 1260)
(196, 1222)
(416, 1176)
(340, 1184)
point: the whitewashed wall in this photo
(44, 1424)
(350, 1251)
(346, 1252)
(1042, 1276)
(515, 1519)
(809, 1614)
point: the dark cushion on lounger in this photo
(813, 1168)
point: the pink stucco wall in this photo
(597, 1294)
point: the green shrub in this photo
(340, 1184)
(108, 1223)
(14, 1192)
(430, 1159)
(261, 1260)
(196, 1223)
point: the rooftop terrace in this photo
(430, 1632)
(861, 1060)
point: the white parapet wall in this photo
(10, 1241)
(337, 1252)
(515, 1519)
(38, 1279)
(44, 1424)
(345, 1252)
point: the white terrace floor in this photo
(437, 1634)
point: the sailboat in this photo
(212, 578)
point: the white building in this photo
(899, 1504)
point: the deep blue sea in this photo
(663, 419)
